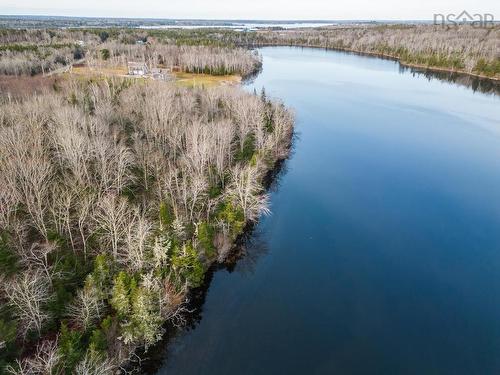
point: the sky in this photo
(253, 9)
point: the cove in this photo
(382, 253)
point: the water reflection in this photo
(243, 259)
(476, 84)
(381, 255)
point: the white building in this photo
(137, 68)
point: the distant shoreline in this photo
(68, 21)
(385, 56)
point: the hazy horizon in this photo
(262, 10)
(309, 20)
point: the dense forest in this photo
(193, 59)
(464, 48)
(116, 198)
(31, 52)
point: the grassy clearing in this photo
(87, 71)
(180, 78)
(204, 80)
(26, 85)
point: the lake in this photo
(382, 253)
(239, 26)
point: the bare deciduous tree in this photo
(134, 251)
(247, 191)
(112, 218)
(92, 365)
(28, 293)
(87, 308)
(44, 362)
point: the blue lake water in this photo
(382, 253)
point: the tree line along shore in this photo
(461, 48)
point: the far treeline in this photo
(464, 48)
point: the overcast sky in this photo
(252, 9)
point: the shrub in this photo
(146, 319)
(78, 53)
(186, 262)
(98, 342)
(105, 54)
(206, 234)
(102, 273)
(71, 348)
(8, 350)
(70, 271)
(166, 214)
(8, 258)
(103, 35)
(123, 287)
(233, 216)
(246, 153)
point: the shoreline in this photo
(152, 360)
(386, 56)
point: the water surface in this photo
(382, 255)
(238, 25)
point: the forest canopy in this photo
(116, 199)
